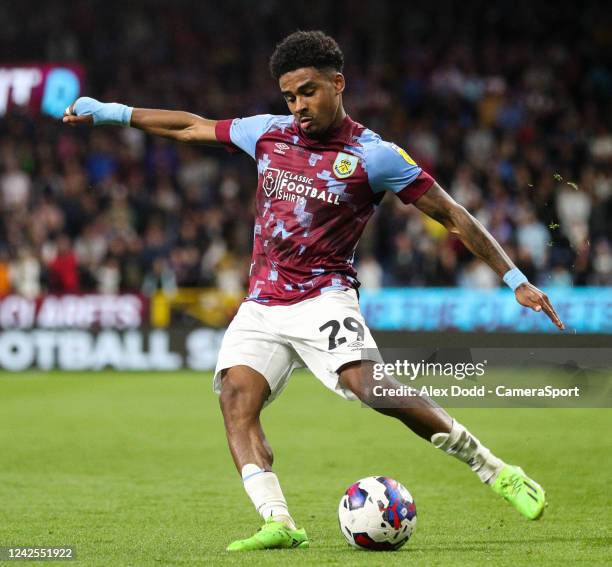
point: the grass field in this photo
(134, 470)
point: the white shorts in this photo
(323, 333)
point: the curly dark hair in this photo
(306, 49)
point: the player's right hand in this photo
(81, 113)
(87, 110)
(530, 296)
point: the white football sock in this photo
(265, 492)
(464, 446)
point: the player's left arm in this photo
(439, 205)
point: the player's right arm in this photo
(174, 124)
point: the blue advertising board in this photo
(583, 310)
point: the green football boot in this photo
(272, 535)
(526, 495)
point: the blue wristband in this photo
(514, 278)
(103, 112)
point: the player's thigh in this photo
(333, 334)
(243, 392)
(251, 342)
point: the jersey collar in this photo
(341, 133)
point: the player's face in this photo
(313, 97)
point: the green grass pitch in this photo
(133, 469)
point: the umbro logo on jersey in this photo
(280, 148)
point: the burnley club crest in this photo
(345, 165)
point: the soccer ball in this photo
(377, 513)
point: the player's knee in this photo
(366, 391)
(356, 378)
(366, 396)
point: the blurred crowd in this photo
(511, 114)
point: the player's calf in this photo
(243, 393)
(426, 418)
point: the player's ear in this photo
(339, 83)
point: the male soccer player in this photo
(321, 175)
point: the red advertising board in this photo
(45, 88)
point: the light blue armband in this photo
(103, 112)
(514, 278)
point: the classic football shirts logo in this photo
(289, 186)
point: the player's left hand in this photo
(73, 115)
(529, 295)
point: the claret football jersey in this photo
(313, 200)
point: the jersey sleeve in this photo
(390, 168)
(243, 133)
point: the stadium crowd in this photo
(515, 122)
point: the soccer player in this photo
(321, 176)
